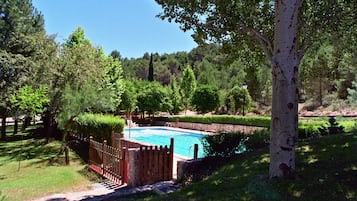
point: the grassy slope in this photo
(30, 168)
(326, 169)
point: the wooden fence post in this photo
(195, 151)
(113, 139)
(124, 165)
(90, 154)
(66, 154)
(171, 160)
(104, 156)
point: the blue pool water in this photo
(183, 140)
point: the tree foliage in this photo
(175, 97)
(152, 97)
(21, 25)
(352, 92)
(187, 86)
(128, 97)
(86, 80)
(238, 99)
(29, 100)
(205, 98)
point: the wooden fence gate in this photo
(108, 161)
(155, 163)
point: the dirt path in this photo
(108, 191)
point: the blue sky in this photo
(129, 26)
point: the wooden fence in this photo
(155, 163)
(109, 162)
(148, 164)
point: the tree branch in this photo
(264, 41)
(303, 49)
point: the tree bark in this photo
(49, 125)
(3, 125)
(16, 125)
(284, 117)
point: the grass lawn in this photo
(30, 168)
(326, 170)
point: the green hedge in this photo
(307, 126)
(97, 125)
(261, 121)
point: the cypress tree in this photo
(151, 70)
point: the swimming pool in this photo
(183, 139)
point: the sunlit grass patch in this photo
(31, 168)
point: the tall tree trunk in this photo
(16, 125)
(3, 125)
(284, 117)
(320, 90)
(49, 125)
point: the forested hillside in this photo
(327, 73)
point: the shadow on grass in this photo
(32, 132)
(327, 169)
(28, 149)
(29, 145)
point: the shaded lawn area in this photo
(326, 170)
(30, 168)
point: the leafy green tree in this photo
(112, 82)
(175, 97)
(352, 92)
(152, 97)
(205, 98)
(346, 71)
(283, 30)
(318, 72)
(238, 99)
(20, 24)
(207, 73)
(84, 79)
(128, 98)
(187, 86)
(29, 101)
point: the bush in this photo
(257, 139)
(334, 127)
(97, 125)
(223, 144)
(307, 130)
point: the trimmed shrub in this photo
(223, 144)
(257, 139)
(97, 125)
(205, 98)
(260, 121)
